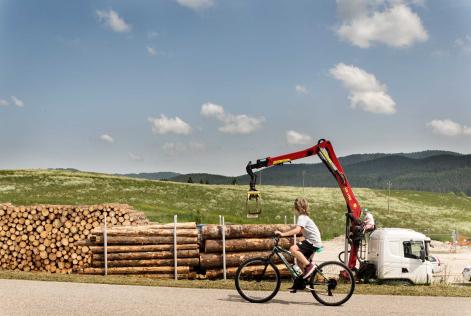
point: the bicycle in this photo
(258, 279)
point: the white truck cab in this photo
(399, 253)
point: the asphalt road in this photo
(19, 297)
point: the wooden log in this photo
(193, 262)
(148, 255)
(137, 270)
(120, 240)
(139, 231)
(244, 231)
(188, 225)
(212, 260)
(142, 248)
(230, 272)
(245, 244)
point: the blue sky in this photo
(206, 85)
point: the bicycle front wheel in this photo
(332, 283)
(257, 280)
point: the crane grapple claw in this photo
(253, 204)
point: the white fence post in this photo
(294, 238)
(175, 256)
(223, 231)
(105, 246)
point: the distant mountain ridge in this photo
(432, 170)
(152, 175)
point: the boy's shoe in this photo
(298, 284)
(308, 270)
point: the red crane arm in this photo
(326, 153)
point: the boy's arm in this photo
(291, 232)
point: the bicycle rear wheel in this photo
(257, 280)
(332, 283)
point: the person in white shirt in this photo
(368, 222)
(303, 250)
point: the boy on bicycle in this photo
(312, 242)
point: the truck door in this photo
(414, 268)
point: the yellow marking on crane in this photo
(279, 162)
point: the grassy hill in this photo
(427, 212)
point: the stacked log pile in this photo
(242, 242)
(46, 237)
(145, 250)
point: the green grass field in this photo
(432, 213)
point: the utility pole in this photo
(304, 173)
(389, 192)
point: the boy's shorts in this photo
(306, 248)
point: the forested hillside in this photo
(435, 171)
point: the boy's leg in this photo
(302, 261)
(303, 251)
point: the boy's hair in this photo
(301, 205)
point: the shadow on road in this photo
(237, 298)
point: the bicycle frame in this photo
(278, 251)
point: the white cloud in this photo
(4, 102)
(448, 128)
(366, 92)
(135, 157)
(212, 110)
(241, 124)
(112, 20)
(301, 89)
(233, 124)
(164, 125)
(296, 138)
(151, 51)
(107, 138)
(17, 101)
(196, 5)
(173, 148)
(397, 25)
(464, 44)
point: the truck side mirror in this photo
(422, 255)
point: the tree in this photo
(190, 180)
(234, 181)
(206, 182)
(201, 181)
